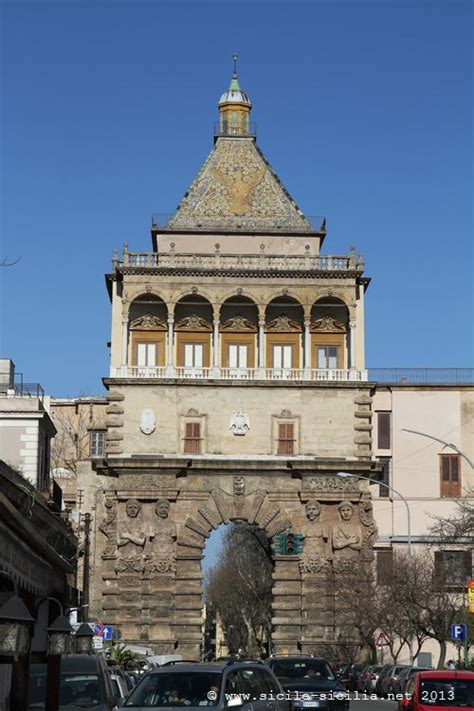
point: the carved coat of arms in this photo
(239, 423)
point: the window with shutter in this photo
(192, 438)
(387, 464)
(286, 439)
(383, 430)
(450, 475)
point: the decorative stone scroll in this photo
(193, 323)
(148, 322)
(278, 526)
(238, 323)
(327, 324)
(282, 324)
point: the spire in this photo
(234, 107)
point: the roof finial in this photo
(235, 56)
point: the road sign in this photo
(382, 640)
(108, 632)
(458, 632)
(97, 643)
(98, 629)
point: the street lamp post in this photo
(347, 475)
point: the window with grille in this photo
(450, 475)
(192, 438)
(286, 438)
(384, 421)
(96, 443)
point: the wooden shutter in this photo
(285, 438)
(192, 438)
(450, 475)
(383, 430)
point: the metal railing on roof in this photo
(235, 131)
(422, 376)
(297, 223)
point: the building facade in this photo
(237, 391)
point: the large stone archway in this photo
(150, 530)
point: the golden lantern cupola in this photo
(234, 109)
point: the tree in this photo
(239, 588)
(71, 443)
(460, 527)
(124, 658)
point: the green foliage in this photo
(124, 658)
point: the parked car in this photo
(439, 691)
(210, 684)
(310, 681)
(119, 686)
(370, 679)
(402, 679)
(382, 674)
(390, 678)
(362, 677)
(85, 683)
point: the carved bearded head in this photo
(132, 508)
(313, 510)
(162, 508)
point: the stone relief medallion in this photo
(239, 423)
(147, 421)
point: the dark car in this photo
(382, 673)
(250, 686)
(371, 675)
(84, 684)
(439, 691)
(404, 676)
(311, 683)
(389, 679)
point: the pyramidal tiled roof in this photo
(236, 188)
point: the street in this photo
(376, 705)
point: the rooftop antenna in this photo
(235, 56)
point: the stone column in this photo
(169, 350)
(261, 348)
(352, 344)
(215, 349)
(124, 342)
(307, 349)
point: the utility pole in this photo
(86, 569)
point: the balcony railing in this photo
(273, 374)
(235, 131)
(241, 262)
(422, 376)
(299, 223)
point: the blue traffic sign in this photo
(108, 632)
(458, 632)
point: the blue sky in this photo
(364, 109)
